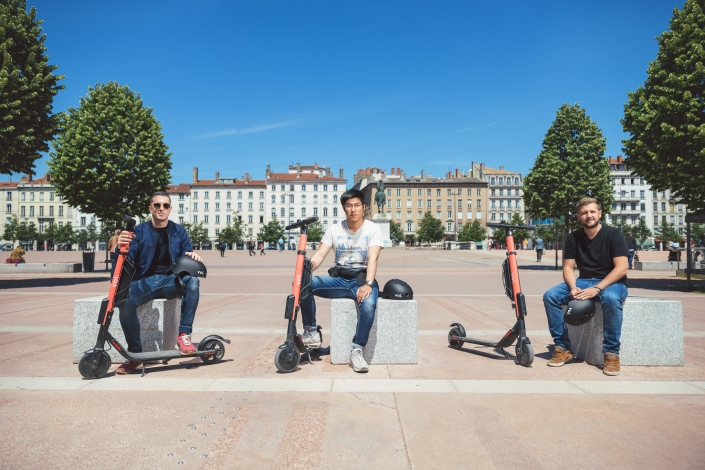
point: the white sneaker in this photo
(357, 362)
(312, 339)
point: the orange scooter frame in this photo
(288, 355)
(510, 276)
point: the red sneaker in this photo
(128, 367)
(185, 345)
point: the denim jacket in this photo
(144, 244)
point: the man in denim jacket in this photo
(155, 247)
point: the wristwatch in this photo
(599, 288)
(369, 283)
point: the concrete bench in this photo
(159, 320)
(393, 338)
(652, 334)
(659, 265)
(40, 268)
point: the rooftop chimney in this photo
(328, 171)
(269, 171)
(457, 172)
(298, 170)
(398, 171)
(247, 178)
(195, 174)
(392, 170)
(423, 174)
(501, 167)
(341, 174)
(217, 176)
(24, 178)
(368, 171)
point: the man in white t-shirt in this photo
(357, 243)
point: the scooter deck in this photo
(159, 355)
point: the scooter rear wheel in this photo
(455, 344)
(281, 360)
(85, 366)
(212, 345)
(526, 358)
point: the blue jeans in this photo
(159, 286)
(340, 288)
(631, 258)
(612, 301)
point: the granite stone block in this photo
(40, 268)
(159, 321)
(652, 334)
(393, 338)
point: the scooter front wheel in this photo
(216, 351)
(85, 366)
(526, 358)
(282, 361)
(455, 344)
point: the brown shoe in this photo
(560, 357)
(128, 367)
(611, 364)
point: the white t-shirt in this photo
(351, 248)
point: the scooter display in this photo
(288, 355)
(95, 362)
(510, 278)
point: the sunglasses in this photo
(157, 205)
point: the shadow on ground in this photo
(665, 284)
(533, 267)
(52, 282)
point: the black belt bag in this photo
(349, 273)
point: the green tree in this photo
(546, 232)
(641, 231)
(197, 234)
(234, 234)
(519, 235)
(666, 232)
(65, 234)
(110, 156)
(499, 235)
(10, 232)
(697, 231)
(27, 89)
(430, 229)
(81, 237)
(569, 167)
(27, 232)
(666, 116)
(92, 233)
(472, 232)
(315, 232)
(272, 231)
(395, 232)
(48, 235)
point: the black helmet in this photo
(187, 265)
(579, 312)
(396, 289)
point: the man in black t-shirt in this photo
(600, 254)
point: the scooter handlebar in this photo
(129, 223)
(301, 223)
(510, 226)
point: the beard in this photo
(592, 224)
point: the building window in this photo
(31, 196)
(335, 187)
(217, 219)
(663, 206)
(51, 211)
(205, 206)
(501, 216)
(239, 194)
(195, 206)
(282, 212)
(228, 195)
(389, 193)
(249, 219)
(315, 211)
(398, 215)
(250, 194)
(643, 207)
(303, 212)
(398, 202)
(493, 216)
(325, 212)
(195, 219)
(450, 215)
(261, 219)
(325, 187)
(460, 203)
(61, 211)
(205, 219)
(398, 192)
(239, 206)
(335, 198)
(41, 211)
(438, 192)
(449, 226)
(274, 199)
(389, 203)
(315, 187)
(438, 214)
(261, 194)
(205, 194)
(409, 226)
(228, 219)
(283, 199)
(261, 206)
(419, 215)
(249, 206)
(217, 206)
(335, 212)
(428, 192)
(428, 203)
(408, 203)
(291, 198)
(217, 194)
(31, 210)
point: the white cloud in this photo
(465, 129)
(249, 130)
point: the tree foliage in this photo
(395, 232)
(10, 232)
(666, 116)
(472, 232)
(272, 231)
(430, 229)
(315, 232)
(27, 232)
(110, 156)
(666, 232)
(197, 234)
(233, 234)
(521, 234)
(641, 231)
(569, 167)
(27, 89)
(697, 231)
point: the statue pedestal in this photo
(382, 220)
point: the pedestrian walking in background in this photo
(538, 244)
(261, 249)
(631, 244)
(221, 247)
(280, 243)
(251, 247)
(112, 246)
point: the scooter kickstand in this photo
(504, 352)
(143, 368)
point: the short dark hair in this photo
(585, 201)
(159, 193)
(352, 194)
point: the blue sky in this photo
(427, 85)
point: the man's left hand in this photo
(363, 293)
(588, 293)
(193, 256)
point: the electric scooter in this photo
(510, 278)
(288, 355)
(95, 362)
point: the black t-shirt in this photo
(161, 261)
(594, 257)
(631, 242)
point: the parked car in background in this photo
(6, 247)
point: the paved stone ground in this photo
(470, 409)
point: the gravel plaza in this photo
(471, 408)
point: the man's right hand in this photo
(575, 291)
(124, 238)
